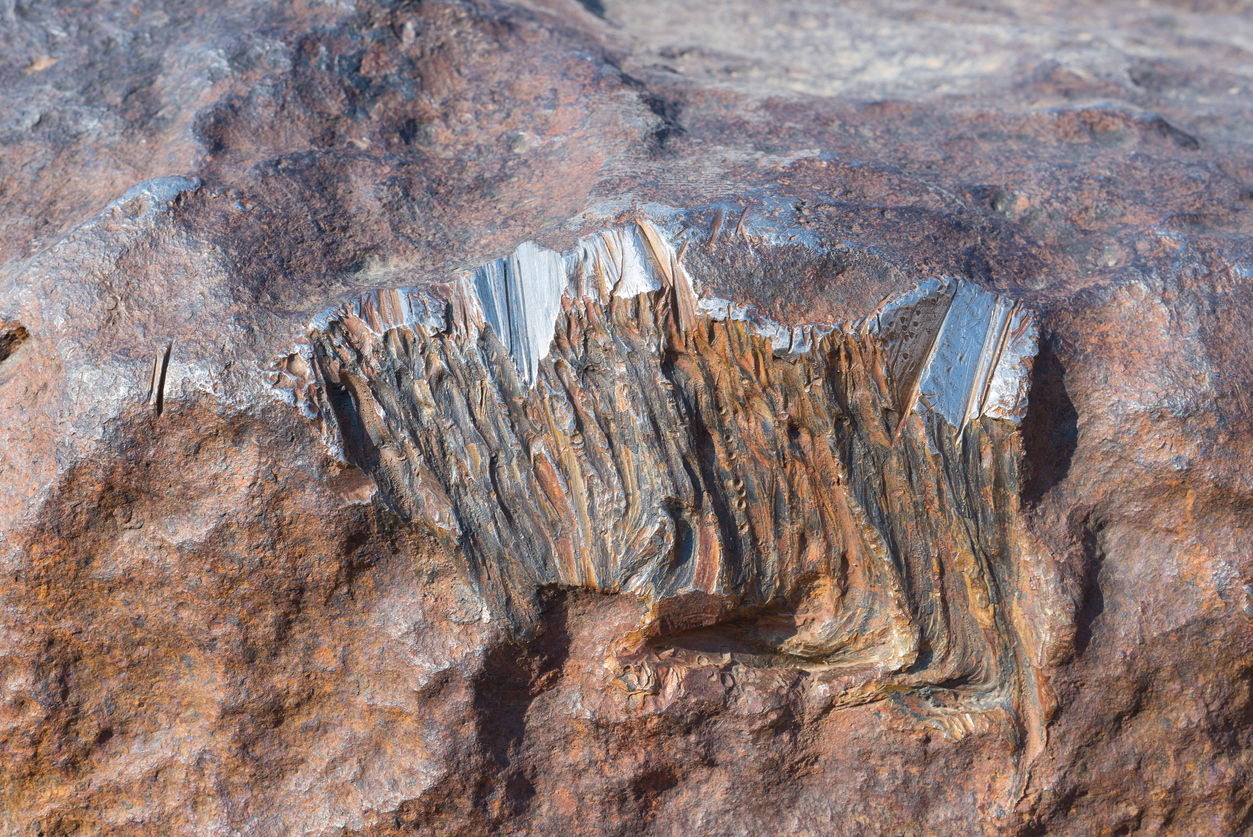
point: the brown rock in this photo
(213, 626)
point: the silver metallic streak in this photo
(953, 348)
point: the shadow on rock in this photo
(1050, 430)
(513, 676)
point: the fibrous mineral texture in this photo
(596, 418)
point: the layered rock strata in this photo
(838, 499)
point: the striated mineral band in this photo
(841, 499)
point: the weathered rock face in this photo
(477, 418)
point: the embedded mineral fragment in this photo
(840, 499)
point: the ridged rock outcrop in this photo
(838, 500)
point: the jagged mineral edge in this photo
(960, 352)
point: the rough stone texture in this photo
(207, 631)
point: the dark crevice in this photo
(1181, 139)
(1092, 605)
(1050, 431)
(669, 110)
(595, 7)
(12, 335)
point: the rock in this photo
(292, 537)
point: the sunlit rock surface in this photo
(605, 418)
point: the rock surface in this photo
(213, 625)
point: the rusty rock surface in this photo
(214, 624)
